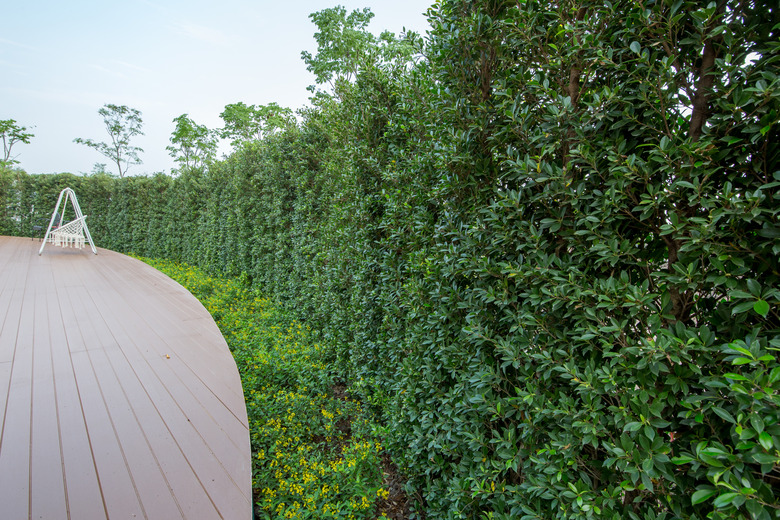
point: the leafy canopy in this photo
(251, 122)
(192, 145)
(12, 133)
(345, 46)
(122, 124)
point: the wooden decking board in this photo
(156, 383)
(47, 491)
(117, 486)
(143, 332)
(15, 444)
(221, 390)
(96, 421)
(13, 299)
(83, 495)
(178, 476)
(193, 432)
(152, 486)
(202, 361)
(193, 365)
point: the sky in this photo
(60, 62)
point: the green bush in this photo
(602, 306)
(313, 454)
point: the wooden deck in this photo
(118, 395)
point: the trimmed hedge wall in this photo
(546, 254)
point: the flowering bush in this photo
(313, 454)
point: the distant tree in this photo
(250, 122)
(122, 124)
(192, 145)
(342, 43)
(345, 47)
(12, 133)
(99, 169)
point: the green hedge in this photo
(545, 253)
(602, 315)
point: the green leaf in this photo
(761, 307)
(701, 495)
(742, 307)
(647, 481)
(632, 426)
(771, 232)
(636, 47)
(723, 414)
(682, 459)
(724, 500)
(757, 422)
(765, 439)
(764, 458)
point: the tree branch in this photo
(573, 89)
(701, 99)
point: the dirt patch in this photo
(397, 505)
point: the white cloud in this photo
(17, 44)
(131, 66)
(201, 32)
(108, 71)
(59, 97)
(18, 68)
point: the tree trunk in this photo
(701, 99)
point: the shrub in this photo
(601, 319)
(313, 454)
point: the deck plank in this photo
(46, 473)
(80, 475)
(15, 434)
(153, 488)
(184, 336)
(118, 395)
(102, 332)
(117, 486)
(194, 432)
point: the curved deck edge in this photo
(118, 395)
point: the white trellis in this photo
(72, 234)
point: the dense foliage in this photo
(542, 246)
(314, 455)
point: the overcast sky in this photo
(60, 61)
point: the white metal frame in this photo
(71, 233)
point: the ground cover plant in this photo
(314, 454)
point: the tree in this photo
(99, 169)
(193, 145)
(250, 123)
(345, 47)
(12, 133)
(342, 41)
(122, 124)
